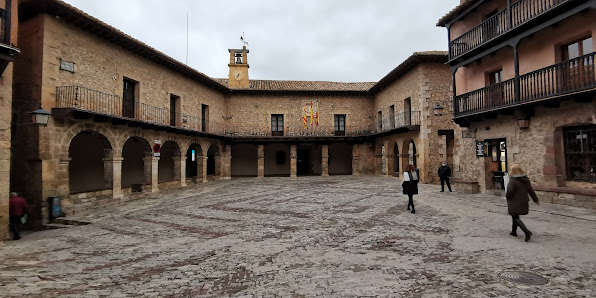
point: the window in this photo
(380, 120)
(495, 77)
(277, 124)
(580, 153)
(204, 118)
(340, 125)
(576, 49)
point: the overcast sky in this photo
(313, 40)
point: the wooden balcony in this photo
(506, 20)
(569, 77)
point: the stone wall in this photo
(5, 138)
(538, 149)
(102, 66)
(253, 112)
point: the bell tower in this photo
(238, 77)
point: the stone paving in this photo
(339, 236)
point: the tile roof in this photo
(461, 7)
(274, 85)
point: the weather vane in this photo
(243, 39)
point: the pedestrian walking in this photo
(17, 208)
(518, 190)
(410, 185)
(445, 175)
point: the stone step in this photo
(69, 221)
(55, 226)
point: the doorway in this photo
(303, 162)
(128, 98)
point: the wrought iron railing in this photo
(521, 12)
(4, 33)
(399, 120)
(86, 99)
(570, 76)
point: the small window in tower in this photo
(238, 58)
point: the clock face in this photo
(238, 75)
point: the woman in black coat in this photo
(518, 190)
(410, 185)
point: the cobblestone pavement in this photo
(313, 236)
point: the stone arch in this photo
(89, 167)
(214, 160)
(136, 163)
(72, 132)
(169, 162)
(194, 161)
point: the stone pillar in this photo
(293, 159)
(227, 163)
(117, 177)
(325, 160)
(147, 167)
(108, 172)
(182, 167)
(199, 161)
(261, 161)
(203, 170)
(218, 173)
(154, 174)
(355, 160)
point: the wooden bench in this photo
(466, 186)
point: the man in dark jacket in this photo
(17, 208)
(444, 174)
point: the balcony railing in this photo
(4, 33)
(399, 120)
(81, 98)
(521, 11)
(563, 78)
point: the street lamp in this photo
(438, 110)
(41, 117)
(523, 122)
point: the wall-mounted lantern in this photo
(438, 110)
(523, 123)
(41, 117)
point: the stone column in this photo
(199, 161)
(182, 160)
(147, 165)
(178, 166)
(325, 160)
(108, 171)
(113, 167)
(261, 161)
(355, 160)
(154, 174)
(218, 173)
(203, 170)
(227, 163)
(293, 159)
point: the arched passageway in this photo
(87, 170)
(396, 169)
(136, 163)
(169, 162)
(245, 160)
(213, 160)
(194, 160)
(340, 159)
(277, 160)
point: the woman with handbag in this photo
(410, 185)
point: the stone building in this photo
(128, 120)
(8, 51)
(524, 93)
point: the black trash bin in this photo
(55, 207)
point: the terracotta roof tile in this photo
(273, 85)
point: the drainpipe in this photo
(516, 82)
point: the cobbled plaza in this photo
(341, 236)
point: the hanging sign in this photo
(156, 148)
(479, 149)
